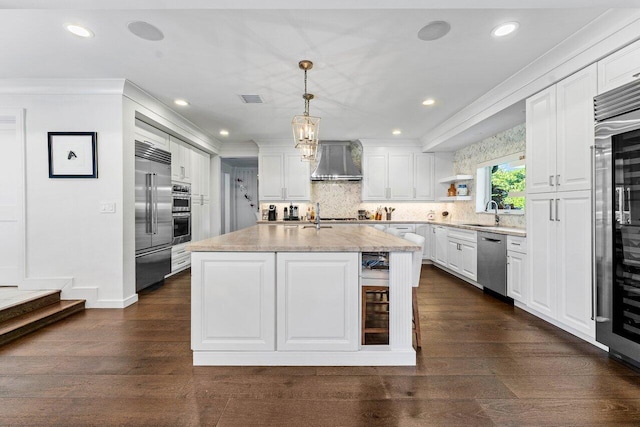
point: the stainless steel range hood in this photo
(335, 163)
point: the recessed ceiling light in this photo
(224, 132)
(181, 102)
(429, 101)
(396, 132)
(505, 29)
(79, 31)
(434, 30)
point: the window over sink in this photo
(503, 181)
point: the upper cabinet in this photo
(397, 174)
(283, 176)
(150, 135)
(200, 176)
(180, 160)
(559, 133)
(619, 68)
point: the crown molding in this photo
(62, 86)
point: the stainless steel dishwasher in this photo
(492, 262)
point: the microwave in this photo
(181, 198)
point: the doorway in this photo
(239, 178)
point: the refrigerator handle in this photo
(155, 203)
(593, 232)
(147, 204)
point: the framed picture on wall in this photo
(73, 155)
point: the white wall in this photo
(70, 245)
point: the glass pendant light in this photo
(306, 127)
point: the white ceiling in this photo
(370, 73)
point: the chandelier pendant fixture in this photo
(306, 127)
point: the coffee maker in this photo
(273, 213)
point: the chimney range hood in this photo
(335, 163)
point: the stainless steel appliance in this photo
(153, 214)
(181, 211)
(616, 221)
(181, 194)
(273, 213)
(492, 262)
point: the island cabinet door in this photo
(233, 301)
(317, 301)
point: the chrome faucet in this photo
(486, 209)
(317, 221)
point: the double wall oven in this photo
(181, 211)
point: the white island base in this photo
(294, 308)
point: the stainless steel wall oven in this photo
(181, 207)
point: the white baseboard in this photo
(305, 358)
(114, 303)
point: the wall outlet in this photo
(107, 207)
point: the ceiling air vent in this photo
(252, 99)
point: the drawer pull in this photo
(182, 262)
(636, 75)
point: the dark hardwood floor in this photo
(482, 363)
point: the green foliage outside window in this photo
(505, 180)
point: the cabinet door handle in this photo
(550, 209)
(557, 210)
(636, 75)
(558, 180)
(508, 260)
(551, 180)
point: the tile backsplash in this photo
(343, 198)
(465, 162)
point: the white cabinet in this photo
(147, 133)
(424, 230)
(180, 258)
(432, 243)
(517, 268)
(200, 220)
(317, 301)
(559, 253)
(180, 160)
(235, 293)
(462, 252)
(283, 176)
(398, 174)
(200, 175)
(559, 133)
(619, 68)
(441, 246)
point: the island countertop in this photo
(279, 238)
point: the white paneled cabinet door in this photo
(424, 230)
(575, 130)
(424, 176)
(469, 259)
(271, 176)
(619, 68)
(234, 303)
(516, 276)
(297, 178)
(574, 261)
(205, 176)
(442, 242)
(401, 176)
(374, 186)
(317, 301)
(541, 252)
(196, 221)
(196, 181)
(541, 141)
(454, 260)
(432, 242)
(205, 220)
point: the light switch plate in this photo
(107, 207)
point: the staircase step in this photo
(39, 318)
(28, 304)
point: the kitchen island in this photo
(290, 295)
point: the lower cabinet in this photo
(441, 245)
(317, 301)
(237, 293)
(516, 269)
(180, 258)
(424, 230)
(462, 252)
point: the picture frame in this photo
(73, 155)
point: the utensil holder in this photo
(388, 216)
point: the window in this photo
(503, 181)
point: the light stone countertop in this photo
(513, 231)
(294, 238)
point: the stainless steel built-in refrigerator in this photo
(616, 198)
(154, 228)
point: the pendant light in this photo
(306, 127)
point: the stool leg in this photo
(416, 316)
(364, 313)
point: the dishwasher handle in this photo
(491, 240)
